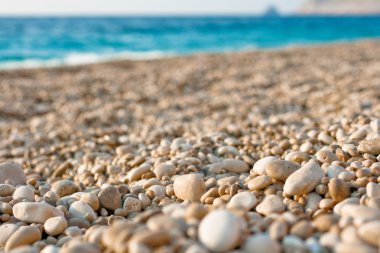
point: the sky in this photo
(137, 7)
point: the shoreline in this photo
(156, 55)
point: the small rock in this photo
(373, 190)
(281, 169)
(64, 187)
(370, 233)
(292, 244)
(6, 231)
(302, 229)
(136, 173)
(261, 165)
(261, 243)
(25, 235)
(152, 238)
(24, 192)
(244, 200)
(6, 190)
(338, 207)
(235, 165)
(189, 187)
(35, 212)
(80, 209)
(12, 173)
(371, 146)
(354, 247)
(338, 189)
(55, 225)
(132, 205)
(110, 198)
(304, 180)
(220, 230)
(359, 213)
(325, 138)
(259, 183)
(164, 170)
(325, 156)
(271, 204)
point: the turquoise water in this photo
(31, 42)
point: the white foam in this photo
(74, 59)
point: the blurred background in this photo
(68, 32)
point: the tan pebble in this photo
(136, 173)
(80, 209)
(132, 205)
(50, 249)
(25, 249)
(134, 247)
(271, 204)
(6, 190)
(278, 230)
(325, 156)
(81, 248)
(338, 207)
(144, 199)
(261, 165)
(303, 229)
(110, 198)
(354, 247)
(304, 180)
(259, 183)
(161, 222)
(325, 138)
(220, 230)
(324, 222)
(189, 187)
(235, 166)
(35, 212)
(91, 199)
(26, 235)
(73, 231)
(312, 203)
(334, 171)
(243, 200)
(339, 190)
(360, 213)
(329, 240)
(55, 225)
(370, 233)
(261, 243)
(64, 187)
(227, 180)
(152, 238)
(165, 169)
(196, 248)
(158, 190)
(350, 235)
(297, 157)
(373, 190)
(6, 231)
(281, 169)
(371, 146)
(12, 173)
(24, 192)
(123, 150)
(195, 211)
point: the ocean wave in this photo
(73, 59)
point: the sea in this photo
(29, 42)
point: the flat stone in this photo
(271, 204)
(24, 192)
(235, 165)
(371, 146)
(80, 209)
(25, 235)
(259, 183)
(261, 165)
(281, 169)
(304, 180)
(35, 212)
(64, 187)
(243, 200)
(55, 225)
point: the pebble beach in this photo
(248, 152)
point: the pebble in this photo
(220, 230)
(25, 235)
(360, 213)
(261, 165)
(163, 170)
(64, 187)
(354, 248)
(303, 229)
(271, 204)
(303, 180)
(339, 190)
(292, 244)
(152, 238)
(371, 146)
(259, 183)
(55, 225)
(373, 190)
(281, 169)
(370, 233)
(110, 198)
(243, 200)
(35, 212)
(132, 205)
(6, 231)
(6, 190)
(136, 173)
(325, 156)
(261, 243)
(189, 187)
(80, 209)
(12, 173)
(235, 166)
(25, 193)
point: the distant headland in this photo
(340, 7)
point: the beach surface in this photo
(162, 155)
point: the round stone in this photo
(243, 200)
(110, 198)
(55, 225)
(220, 230)
(80, 209)
(35, 212)
(12, 173)
(261, 165)
(281, 169)
(189, 187)
(271, 204)
(25, 193)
